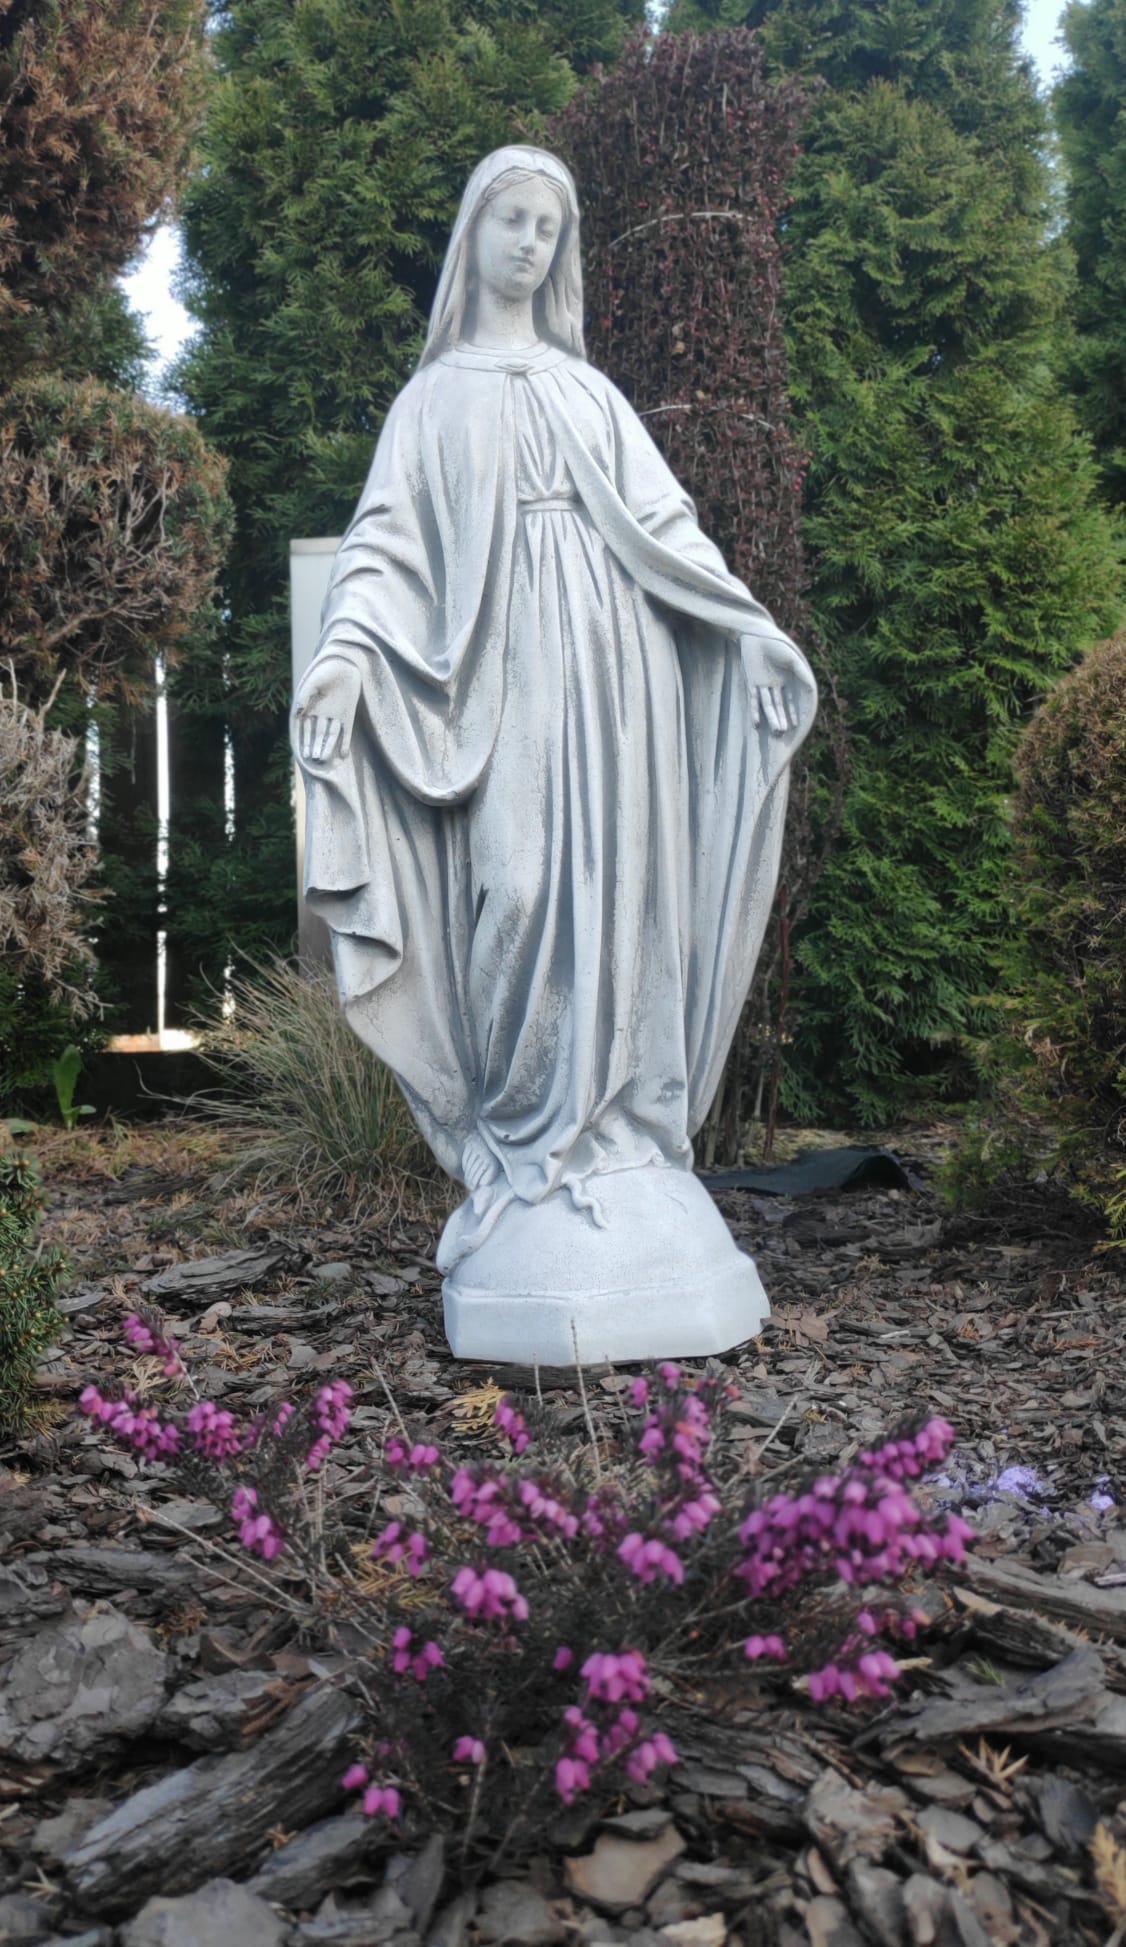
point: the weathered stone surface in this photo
(418, 1881)
(621, 1873)
(23, 1919)
(209, 1715)
(300, 1873)
(79, 1687)
(382, 1921)
(52, 1837)
(513, 1911)
(220, 1911)
(211, 1276)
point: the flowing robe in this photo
(549, 857)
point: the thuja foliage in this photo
(98, 105)
(337, 144)
(1090, 113)
(960, 562)
(28, 1275)
(683, 155)
(1069, 818)
(516, 1620)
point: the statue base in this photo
(659, 1278)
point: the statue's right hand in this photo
(328, 697)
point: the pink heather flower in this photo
(409, 1460)
(511, 1421)
(393, 1546)
(572, 1776)
(135, 1426)
(332, 1411)
(621, 1731)
(419, 1663)
(670, 1374)
(258, 1533)
(563, 1658)
(693, 1516)
(651, 1752)
(648, 1559)
(612, 1678)
(469, 1750)
(283, 1416)
(213, 1431)
(355, 1778)
(381, 1798)
(581, 1734)
(492, 1594)
(543, 1508)
(638, 1391)
(773, 1646)
(144, 1337)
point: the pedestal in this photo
(661, 1278)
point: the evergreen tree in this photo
(960, 563)
(99, 101)
(1090, 105)
(339, 140)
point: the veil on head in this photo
(559, 300)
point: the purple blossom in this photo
(145, 1336)
(512, 1422)
(469, 1750)
(417, 1459)
(393, 1546)
(648, 1559)
(612, 1678)
(214, 1431)
(405, 1659)
(135, 1426)
(492, 1594)
(258, 1532)
(381, 1798)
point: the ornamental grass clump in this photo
(523, 1623)
(319, 1115)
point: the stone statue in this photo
(545, 741)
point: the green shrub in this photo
(323, 1116)
(1069, 820)
(28, 1275)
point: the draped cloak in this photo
(548, 860)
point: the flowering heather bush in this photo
(517, 1623)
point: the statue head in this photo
(558, 302)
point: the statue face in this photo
(515, 238)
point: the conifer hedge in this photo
(1070, 824)
(682, 155)
(960, 562)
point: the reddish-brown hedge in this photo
(99, 102)
(682, 156)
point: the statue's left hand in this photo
(325, 710)
(772, 702)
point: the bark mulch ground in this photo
(986, 1804)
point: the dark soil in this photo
(987, 1804)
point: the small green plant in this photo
(64, 1073)
(322, 1116)
(28, 1278)
(987, 1155)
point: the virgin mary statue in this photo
(545, 741)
